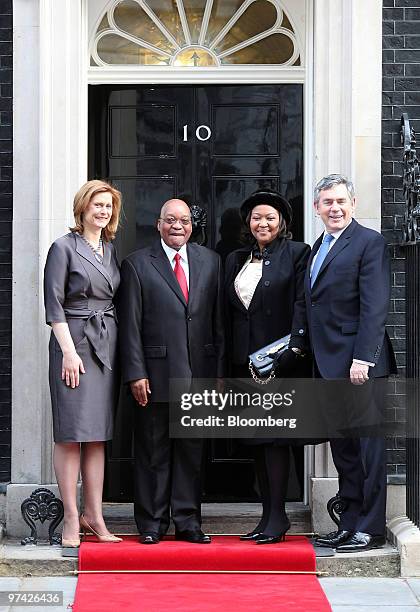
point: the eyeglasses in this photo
(172, 220)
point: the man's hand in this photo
(140, 390)
(359, 373)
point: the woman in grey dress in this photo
(81, 278)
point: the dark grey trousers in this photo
(167, 474)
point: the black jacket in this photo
(277, 301)
(161, 337)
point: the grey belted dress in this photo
(79, 290)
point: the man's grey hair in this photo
(330, 181)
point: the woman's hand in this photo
(287, 362)
(72, 365)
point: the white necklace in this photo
(96, 251)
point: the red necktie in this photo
(180, 275)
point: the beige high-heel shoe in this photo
(70, 543)
(86, 528)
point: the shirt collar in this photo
(170, 252)
(269, 249)
(336, 235)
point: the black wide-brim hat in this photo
(271, 198)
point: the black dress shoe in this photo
(252, 535)
(334, 539)
(149, 538)
(361, 541)
(269, 539)
(195, 536)
(265, 538)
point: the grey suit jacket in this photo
(77, 286)
(161, 336)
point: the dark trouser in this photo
(370, 399)
(361, 467)
(372, 517)
(348, 463)
(360, 461)
(167, 474)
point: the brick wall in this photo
(6, 145)
(401, 93)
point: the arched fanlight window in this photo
(195, 33)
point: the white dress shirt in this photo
(170, 252)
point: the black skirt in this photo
(303, 370)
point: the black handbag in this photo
(263, 363)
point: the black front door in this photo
(210, 146)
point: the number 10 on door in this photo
(203, 132)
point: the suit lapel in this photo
(194, 266)
(241, 257)
(107, 254)
(342, 242)
(84, 250)
(314, 251)
(161, 262)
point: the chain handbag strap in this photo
(263, 381)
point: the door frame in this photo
(193, 106)
(236, 75)
(342, 78)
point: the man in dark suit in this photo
(347, 291)
(170, 327)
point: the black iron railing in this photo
(411, 240)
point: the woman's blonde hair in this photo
(81, 202)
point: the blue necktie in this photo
(322, 253)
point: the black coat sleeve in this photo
(299, 332)
(133, 363)
(227, 311)
(375, 291)
(218, 323)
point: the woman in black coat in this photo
(264, 292)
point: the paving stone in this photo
(56, 583)
(369, 592)
(9, 583)
(414, 584)
(40, 583)
(363, 608)
(17, 560)
(381, 563)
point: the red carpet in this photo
(198, 592)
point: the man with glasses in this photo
(170, 328)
